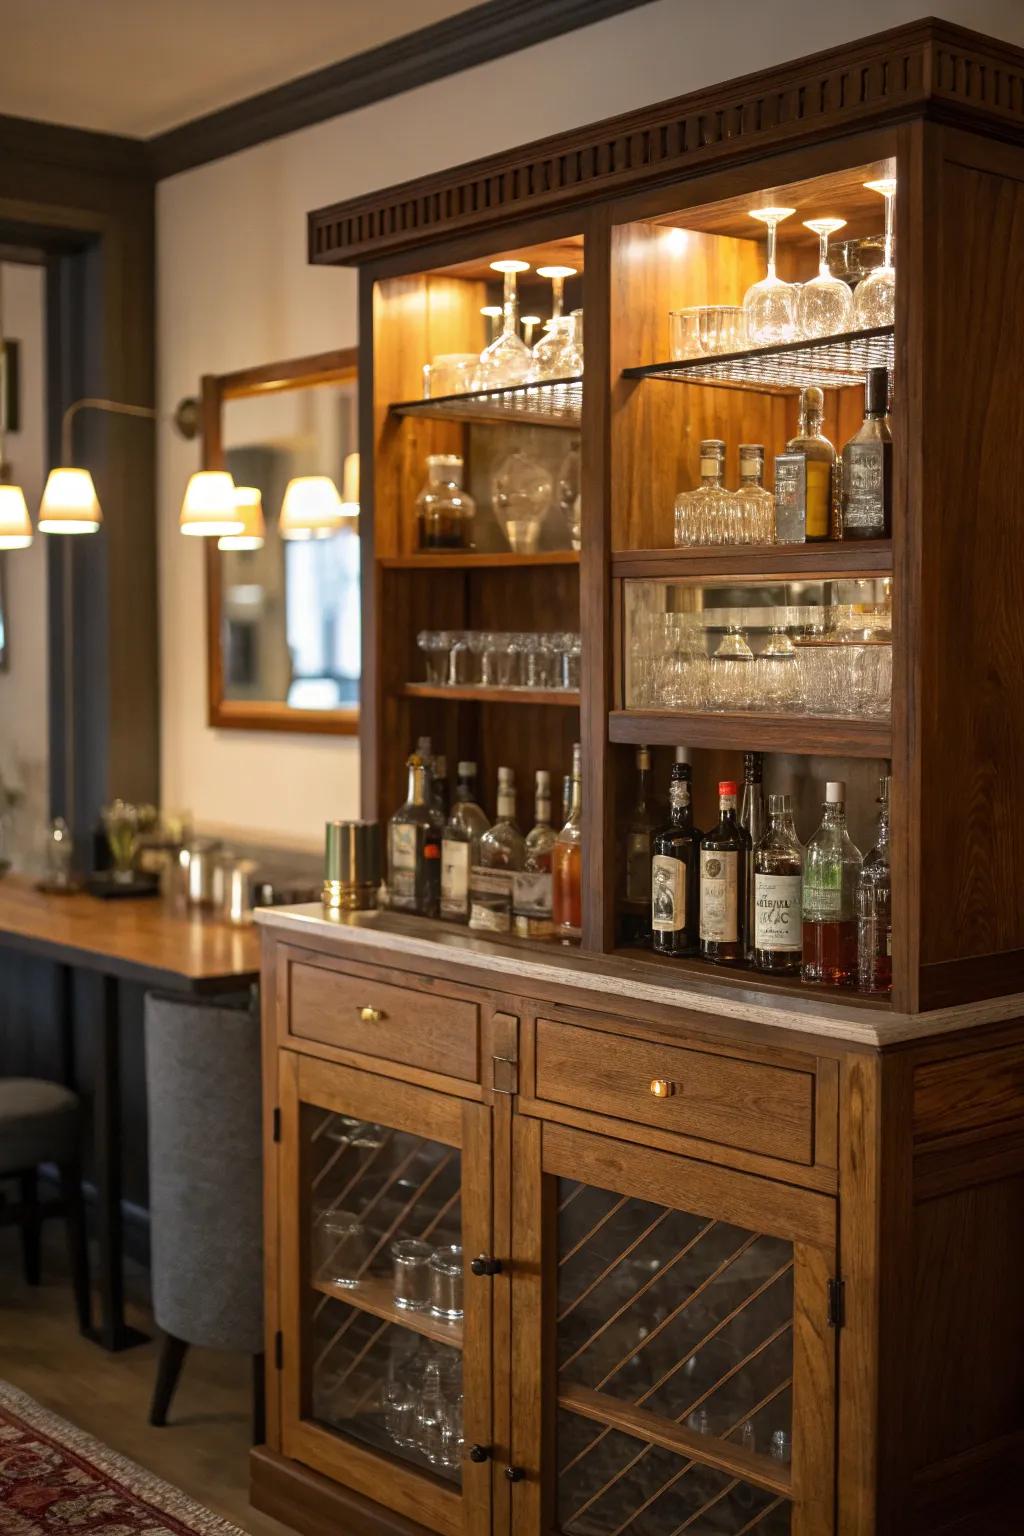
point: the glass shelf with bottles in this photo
(746, 893)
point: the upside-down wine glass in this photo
(825, 304)
(507, 359)
(770, 304)
(555, 355)
(874, 299)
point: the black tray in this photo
(105, 886)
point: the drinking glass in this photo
(451, 373)
(446, 1282)
(537, 661)
(771, 304)
(485, 646)
(436, 646)
(508, 654)
(401, 1402)
(825, 305)
(721, 328)
(684, 333)
(873, 685)
(507, 359)
(776, 675)
(452, 1434)
(521, 493)
(460, 658)
(874, 300)
(411, 1260)
(429, 1423)
(339, 1246)
(570, 651)
(731, 681)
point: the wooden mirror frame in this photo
(337, 367)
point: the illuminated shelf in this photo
(477, 560)
(834, 362)
(552, 403)
(866, 557)
(808, 735)
(476, 693)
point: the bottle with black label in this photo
(778, 883)
(460, 846)
(752, 820)
(867, 466)
(414, 849)
(674, 854)
(635, 918)
(723, 896)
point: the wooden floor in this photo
(204, 1448)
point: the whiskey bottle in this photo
(867, 466)
(425, 752)
(635, 919)
(460, 846)
(831, 867)
(706, 515)
(820, 459)
(531, 887)
(752, 822)
(567, 863)
(439, 786)
(874, 908)
(502, 852)
(755, 507)
(414, 849)
(723, 897)
(778, 882)
(566, 798)
(675, 851)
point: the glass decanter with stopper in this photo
(778, 886)
(754, 507)
(460, 845)
(874, 907)
(567, 863)
(521, 494)
(831, 869)
(635, 916)
(414, 848)
(444, 511)
(675, 860)
(821, 464)
(705, 515)
(531, 888)
(723, 871)
(502, 852)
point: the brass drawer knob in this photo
(371, 1015)
(662, 1088)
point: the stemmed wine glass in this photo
(874, 299)
(825, 305)
(507, 359)
(770, 304)
(555, 355)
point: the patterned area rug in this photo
(57, 1481)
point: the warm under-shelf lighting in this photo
(70, 503)
(311, 508)
(249, 506)
(15, 523)
(208, 510)
(350, 486)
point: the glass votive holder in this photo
(340, 1247)
(446, 1282)
(684, 333)
(411, 1259)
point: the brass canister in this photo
(351, 866)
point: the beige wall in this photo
(24, 729)
(234, 289)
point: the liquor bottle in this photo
(778, 882)
(425, 752)
(675, 856)
(752, 820)
(821, 465)
(566, 798)
(831, 867)
(754, 505)
(635, 922)
(531, 888)
(567, 863)
(414, 849)
(874, 908)
(439, 786)
(867, 466)
(723, 896)
(705, 515)
(502, 852)
(460, 846)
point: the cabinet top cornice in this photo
(928, 67)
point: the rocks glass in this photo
(446, 1282)
(411, 1260)
(339, 1247)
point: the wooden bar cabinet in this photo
(746, 1253)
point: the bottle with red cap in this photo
(724, 853)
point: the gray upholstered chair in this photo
(205, 1185)
(40, 1122)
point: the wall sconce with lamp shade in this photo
(249, 506)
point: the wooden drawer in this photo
(360, 1012)
(723, 1099)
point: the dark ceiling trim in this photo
(459, 42)
(25, 140)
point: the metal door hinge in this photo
(836, 1303)
(277, 1125)
(279, 1351)
(505, 1074)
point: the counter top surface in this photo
(621, 978)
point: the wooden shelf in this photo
(759, 985)
(552, 403)
(803, 734)
(474, 560)
(833, 362)
(474, 693)
(375, 1295)
(867, 557)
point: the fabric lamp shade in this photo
(350, 485)
(249, 506)
(208, 510)
(15, 523)
(311, 508)
(70, 503)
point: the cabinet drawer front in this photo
(376, 1018)
(717, 1098)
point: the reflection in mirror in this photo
(287, 611)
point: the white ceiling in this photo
(139, 67)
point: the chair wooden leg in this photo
(172, 1358)
(259, 1399)
(78, 1242)
(28, 1184)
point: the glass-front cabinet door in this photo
(688, 1360)
(387, 1333)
